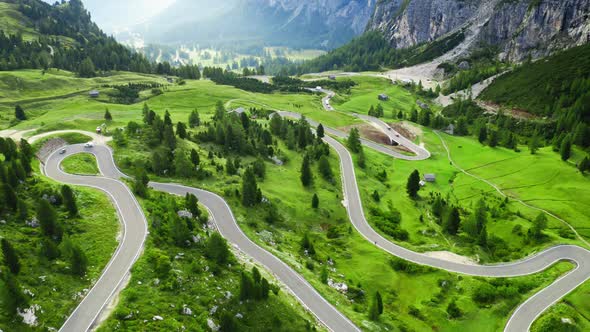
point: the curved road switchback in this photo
(133, 219)
(135, 231)
(130, 247)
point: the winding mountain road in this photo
(136, 230)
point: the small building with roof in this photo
(94, 94)
(430, 177)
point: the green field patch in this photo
(80, 164)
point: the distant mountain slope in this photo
(34, 34)
(518, 28)
(293, 23)
(403, 33)
(548, 86)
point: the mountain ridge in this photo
(299, 24)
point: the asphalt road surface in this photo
(135, 232)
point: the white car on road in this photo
(89, 145)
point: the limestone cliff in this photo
(518, 27)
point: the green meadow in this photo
(80, 164)
(521, 176)
(414, 298)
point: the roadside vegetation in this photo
(300, 218)
(189, 278)
(293, 209)
(56, 240)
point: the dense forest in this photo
(372, 51)
(69, 40)
(62, 26)
(557, 87)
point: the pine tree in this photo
(534, 144)
(19, 113)
(376, 197)
(483, 134)
(191, 203)
(14, 298)
(354, 140)
(195, 159)
(539, 225)
(69, 200)
(325, 168)
(78, 261)
(324, 274)
(379, 302)
(413, 185)
(169, 138)
(216, 249)
(107, 115)
(320, 131)
(361, 161)
(246, 287)
(315, 201)
(374, 308)
(250, 195)
(194, 120)
(10, 257)
(566, 148)
(140, 184)
(181, 130)
(584, 165)
(493, 138)
(86, 68)
(230, 168)
(180, 232)
(453, 310)
(452, 221)
(264, 288)
(48, 220)
(306, 177)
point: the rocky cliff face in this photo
(518, 27)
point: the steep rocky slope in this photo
(517, 27)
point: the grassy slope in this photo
(201, 292)
(59, 293)
(544, 175)
(357, 262)
(365, 94)
(86, 114)
(79, 111)
(12, 21)
(81, 164)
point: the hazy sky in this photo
(116, 14)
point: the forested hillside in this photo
(372, 51)
(38, 35)
(558, 87)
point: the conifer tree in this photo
(306, 177)
(315, 201)
(413, 185)
(19, 113)
(69, 200)
(107, 115)
(10, 257)
(250, 195)
(354, 140)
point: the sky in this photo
(115, 15)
